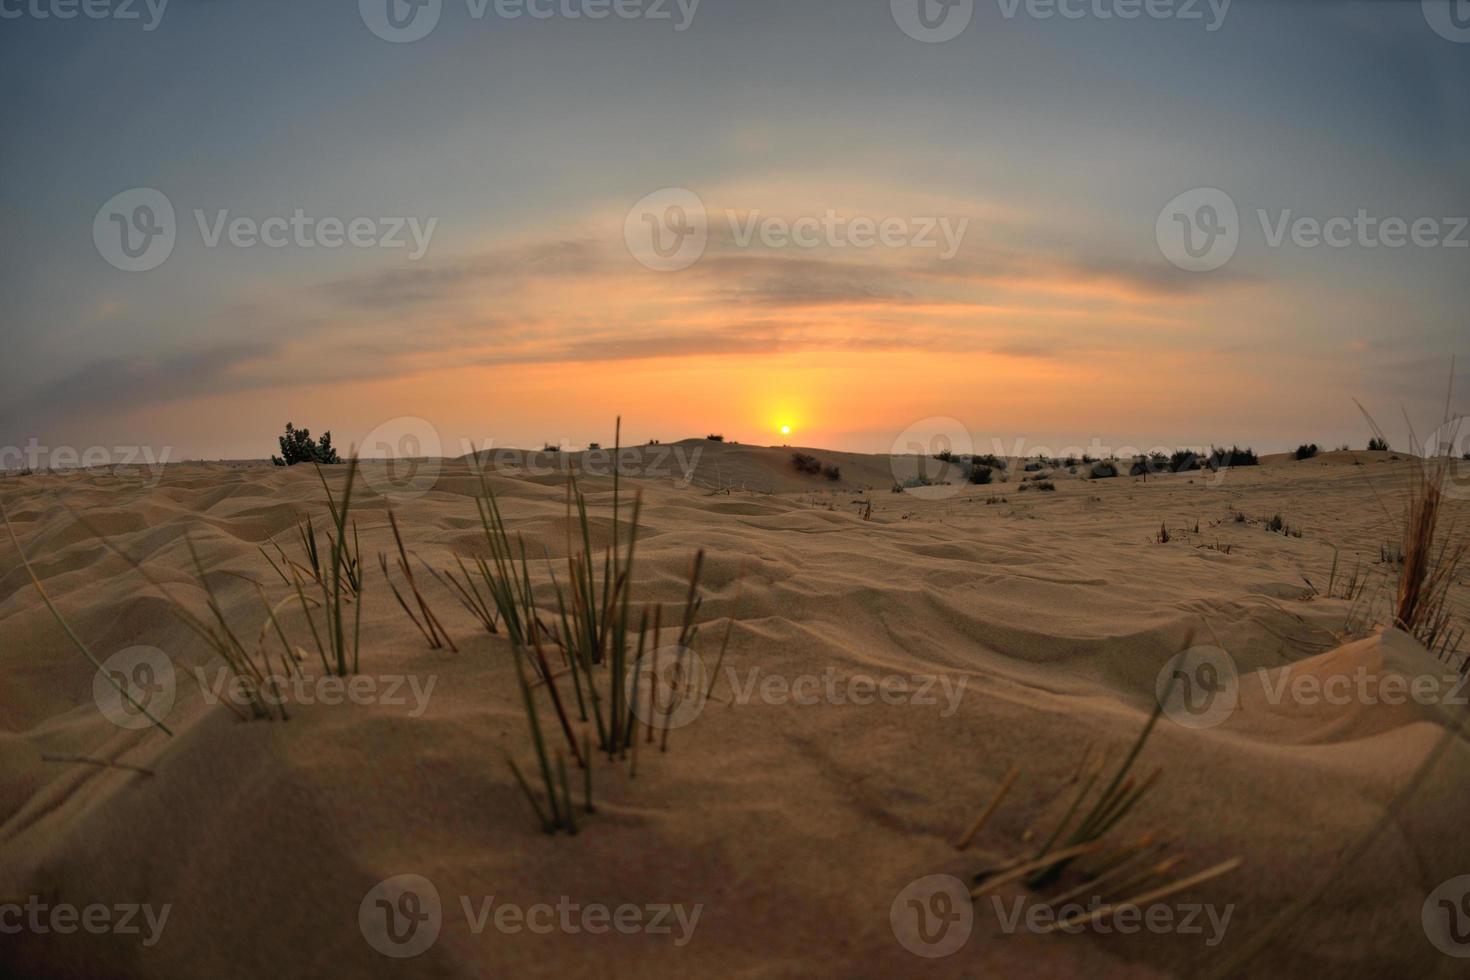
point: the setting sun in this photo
(786, 430)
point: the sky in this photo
(1045, 223)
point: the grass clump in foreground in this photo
(1081, 834)
(593, 636)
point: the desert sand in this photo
(1027, 630)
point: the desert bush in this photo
(715, 437)
(297, 447)
(1039, 485)
(832, 473)
(1183, 460)
(1102, 470)
(1378, 445)
(1234, 456)
(1306, 450)
(981, 475)
(945, 456)
(803, 463)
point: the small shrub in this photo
(1032, 467)
(832, 473)
(297, 447)
(1184, 460)
(1306, 450)
(715, 437)
(1234, 456)
(1163, 536)
(550, 447)
(945, 456)
(806, 464)
(1039, 485)
(981, 475)
(1378, 445)
(1275, 524)
(593, 447)
(1103, 470)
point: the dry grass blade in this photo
(985, 815)
(66, 628)
(1147, 898)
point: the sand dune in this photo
(1037, 626)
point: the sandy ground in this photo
(882, 677)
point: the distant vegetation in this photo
(811, 466)
(715, 437)
(1306, 450)
(1378, 445)
(1234, 456)
(803, 463)
(297, 447)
